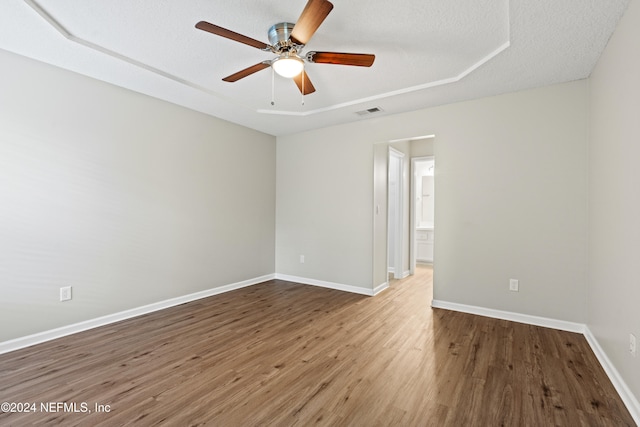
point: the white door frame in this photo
(412, 208)
(398, 227)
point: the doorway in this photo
(422, 210)
(384, 252)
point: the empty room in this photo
(313, 212)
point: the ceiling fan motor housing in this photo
(279, 36)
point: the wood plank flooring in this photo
(285, 354)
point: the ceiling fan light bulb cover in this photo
(288, 66)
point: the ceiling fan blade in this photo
(314, 13)
(247, 72)
(223, 32)
(356, 59)
(308, 86)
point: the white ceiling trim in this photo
(69, 36)
(118, 56)
(410, 89)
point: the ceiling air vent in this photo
(369, 111)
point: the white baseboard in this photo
(380, 288)
(508, 315)
(404, 274)
(323, 284)
(626, 395)
(52, 334)
(630, 401)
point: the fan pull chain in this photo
(273, 87)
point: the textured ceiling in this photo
(428, 52)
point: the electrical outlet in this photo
(301, 259)
(65, 293)
(632, 345)
(513, 285)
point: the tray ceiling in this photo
(427, 52)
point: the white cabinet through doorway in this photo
(424, 244)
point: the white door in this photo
(395, 214)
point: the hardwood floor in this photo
(286, 354)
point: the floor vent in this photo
(369, 111)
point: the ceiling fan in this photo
(287, 41)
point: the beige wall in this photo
(324, 207)
(614, 198)
(128, 199)
(511, 184)
(511, 202)
(422, 147)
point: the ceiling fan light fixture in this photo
(288, 65)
